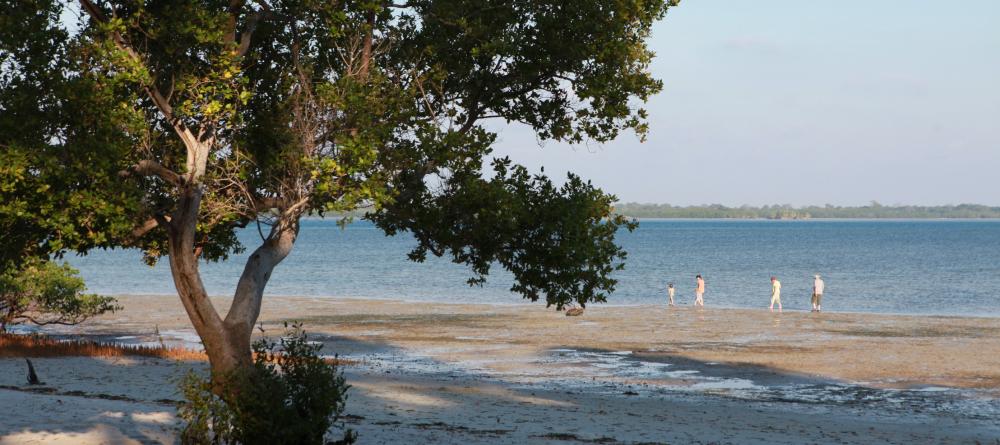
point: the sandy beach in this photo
(472, 373)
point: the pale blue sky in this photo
(808, 102)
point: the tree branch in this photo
(235, 6)
(144, 228)
(164, 221)
(474, 109)
(234, 11)
(245, 37)
(59, 321)
(245, 308)
(268, 203)
(147, 167)
(366, 53)
(296, 209)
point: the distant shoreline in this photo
(787, 212)
(886, 219)
(874, 211)
(733, 218)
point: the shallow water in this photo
(908, 267)
(623, 374)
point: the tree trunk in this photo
(226, 342)
(222, 355)
(245, 309)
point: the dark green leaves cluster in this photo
(59, 153)
(557, 241)
(43, 292)
(569, 69)
(290, 395)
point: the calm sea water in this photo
(913, 267)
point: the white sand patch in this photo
(53, 419)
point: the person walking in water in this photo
(699, 291)
(817, 299)
(670, 293)
(775, 293)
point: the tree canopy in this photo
(166, 125)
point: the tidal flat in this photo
(522, 373)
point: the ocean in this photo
(939, 267)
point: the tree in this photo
(46, 293)
(205, 116)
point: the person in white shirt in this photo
(817, 298)
(670, 293)
(775, 293)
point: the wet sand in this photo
(882, 351)
(468, 373)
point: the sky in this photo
(806, 102)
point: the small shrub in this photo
(43, 292)
(289, 396)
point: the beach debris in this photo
(156, 331)
(32, 377)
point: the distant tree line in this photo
(873, 210)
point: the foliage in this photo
(43, 293)
(557, 242)
(59, 153)
(290, 395)
(320, 107)
(874, 210)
